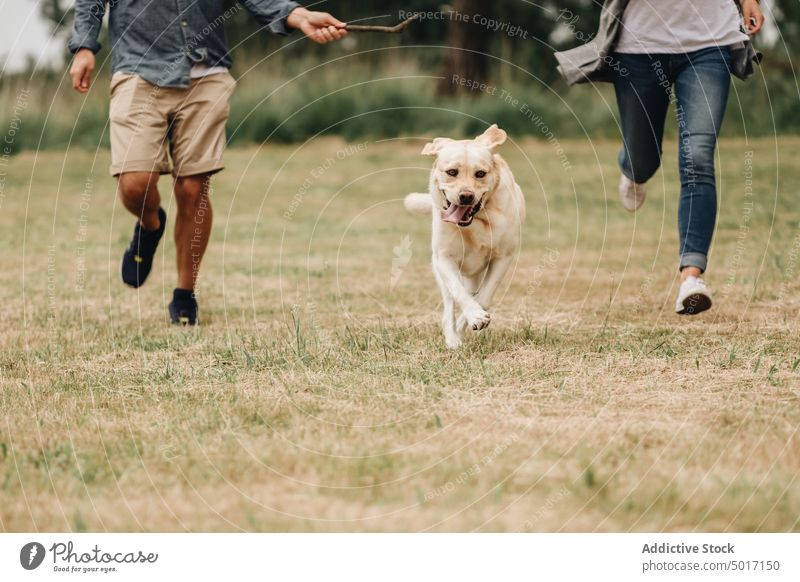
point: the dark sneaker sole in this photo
(696, 303)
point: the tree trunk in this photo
(468, 44)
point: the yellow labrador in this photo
(477, 210)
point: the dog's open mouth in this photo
(459, 214)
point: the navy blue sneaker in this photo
(183, 309)
(138, 258)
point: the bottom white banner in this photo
(355, 557)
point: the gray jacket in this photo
(592, 61)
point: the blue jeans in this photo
(644, 89)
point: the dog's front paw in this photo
(477, 318)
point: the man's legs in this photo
(197, 143)
(138, 192)
(192, 122)
(138, 128)
(192, 226)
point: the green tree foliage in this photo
(787, 14)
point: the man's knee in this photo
(189, 189)
(136, 185)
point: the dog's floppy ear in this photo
(492, 137)
(433, 148)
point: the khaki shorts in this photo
(151, 125)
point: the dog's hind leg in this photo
(452, 338)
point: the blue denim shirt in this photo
(160, 40)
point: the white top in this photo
(679, 26)
(196, 72)
(200, 70)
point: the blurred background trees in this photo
(540, 28)
(386, 85)
(547, 25)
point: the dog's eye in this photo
(453, 173)
(480, 174)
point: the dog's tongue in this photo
(456, 213)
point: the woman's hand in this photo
(320, 27)
(753, 17)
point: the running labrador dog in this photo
(477, 210)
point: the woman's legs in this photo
(702, 80)
(643, 94)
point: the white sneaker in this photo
(631, 193)
(693, 297)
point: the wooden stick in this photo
(392, 29)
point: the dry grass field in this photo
(318, 396)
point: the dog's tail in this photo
(419, 203)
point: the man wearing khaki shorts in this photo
(170, 89)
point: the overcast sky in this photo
(23, 35)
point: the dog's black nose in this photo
(466, 199)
